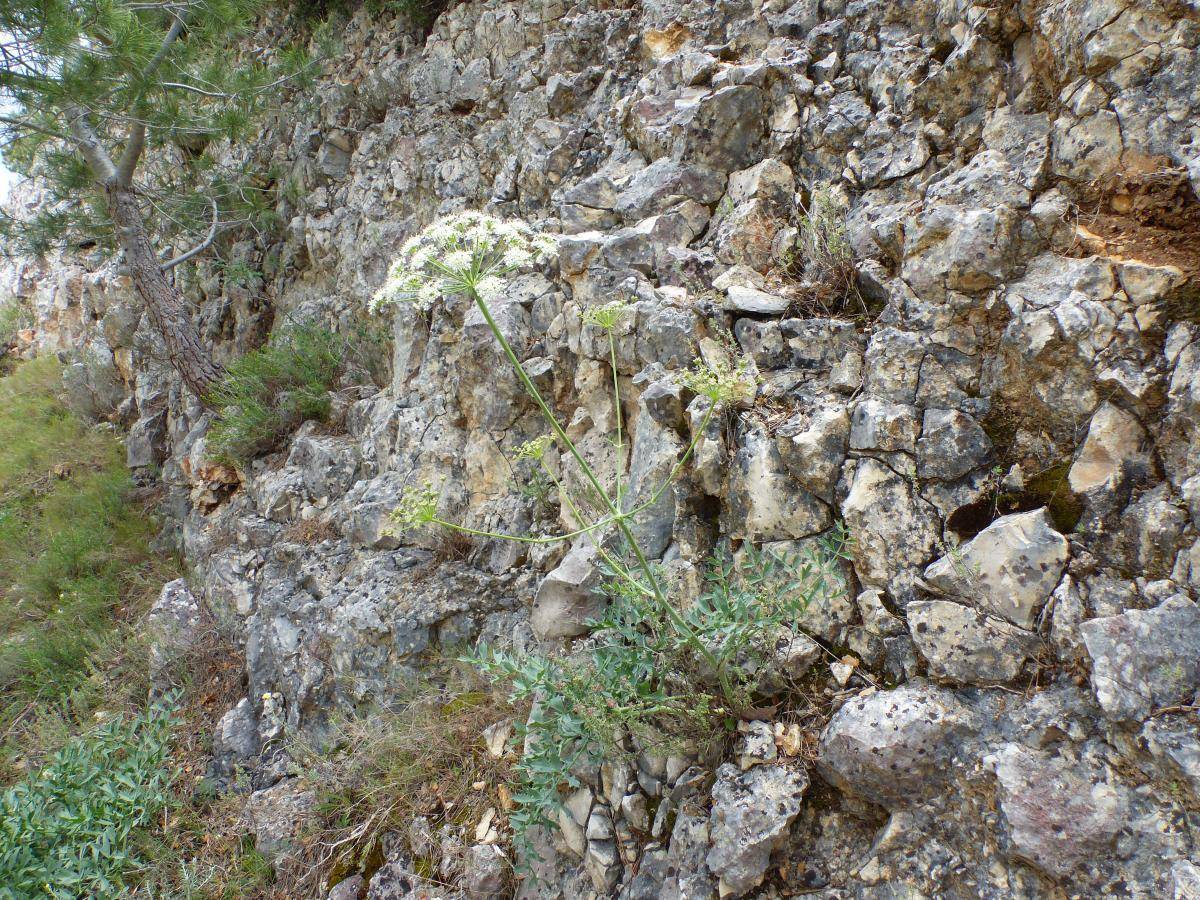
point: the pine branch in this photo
(49, 132)
(199, 248)
(89, 144)
(137, 131)
(195, 90)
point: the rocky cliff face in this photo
(1007, 422)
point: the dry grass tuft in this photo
(425, 757)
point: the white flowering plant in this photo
(462, 254)
(653, 662)
(468, 254)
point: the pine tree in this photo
(116, 104)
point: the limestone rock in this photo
(766, 504)
(745, 299)
(1059, 816)
(813, 447)
(172, 626)
(1114, 446)
(276, 816)
(951, 445)
(894, 529)
(894, 747)
(568, 597)
(1144, 659)
(1185, 877)
(1008, 569)
(235, 741)
(751, 814)
(967, 646)
(879, 425)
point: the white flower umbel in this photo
(460, 254)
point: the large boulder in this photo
(894, 747)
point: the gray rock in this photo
(1185, 880)
(1144, 659)
(967, 646)
(746, 299)
(484, 872)
(1176, 744)
(277, 814)
(235, 740)
(397, 880)
(568, 597)
(603, 864)
(894, 528)
(879, 425)
(952, 444)
(751, 814)
(812, 445)
(765, 503)
(1114, 448)
(1008, 569)
(665, 183)
(894, 747)
(328, 465)
(821, 345)
(351, 888)
(687, 875)
(172, 627)
(1060, 816)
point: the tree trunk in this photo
(167, 309)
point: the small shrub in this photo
(267, 393)
(13, 317)
(640, 675)
(67, 831)
(823, 262)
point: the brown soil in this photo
(1152, 215)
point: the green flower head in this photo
(417, 507)
(722, 380)
(607, 316)
(534, 449)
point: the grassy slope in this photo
(77, 575)
(75, 558)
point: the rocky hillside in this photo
(961, 246)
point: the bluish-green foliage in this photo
(640, 674)
(67, 830)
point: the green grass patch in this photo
(75, 557)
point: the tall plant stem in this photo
(619, 462)
(618, 517)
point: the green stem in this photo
(682, 461)
(619, 462)
(524, 539)
(578, 514)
